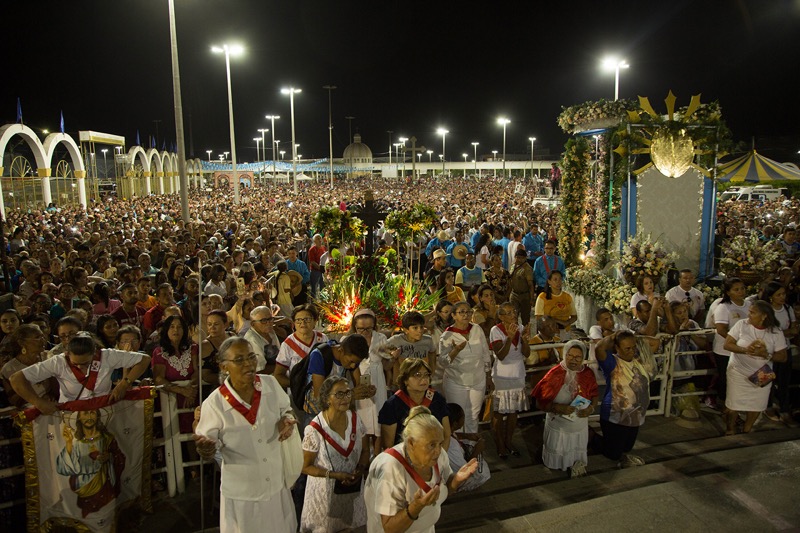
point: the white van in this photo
(759, 193)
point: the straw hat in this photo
(297, 281)
(460, 252)
(442, 235)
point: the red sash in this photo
(89, 381)
(295, 344)
(413, 473)
(249, 415)
(546, 264)
(329, 439)
(464, 332)
(515, 340)
(406, 399)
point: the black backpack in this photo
(298, 376)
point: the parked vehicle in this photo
(759, 193)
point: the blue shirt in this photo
(436, 243)
(452, 261)
(533, 244)
(504, 243)
(474, 239)
(540, 272)
(301, 268)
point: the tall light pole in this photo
(282, 152)
(443, 132)
(105, 163)
(262, 131)
(209, 155)
(229, 51)
(390, 145)
(532, 139)
(291, 92)
(504, 122)
(475, 152)
(430, 154)
(178, 105)
(272, 119)
(403, 144)
(465, 156)
(258, 153)
(330, 88)
(613, 63)
(494, 158)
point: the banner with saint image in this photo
(87, 462)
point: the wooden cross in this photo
(371, 217)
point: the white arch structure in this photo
(43, 157)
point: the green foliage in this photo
(575, 183)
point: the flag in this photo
(19, 111)
(163, 145)
(138, 141)
(62, 121)
(68, 483)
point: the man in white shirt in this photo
(263, 339)
(605, 325)
(685, 292)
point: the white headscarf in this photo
(571, 376)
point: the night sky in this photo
(409, 67)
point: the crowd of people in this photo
(143, 295)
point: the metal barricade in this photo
(674, 374)
(172, 441)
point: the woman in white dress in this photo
(246, 419)
(467, 376)
(408, 483)
(732, 308)
(365, 323)
(754, 343)
(566, 427)
(335, 454)
(510, 348)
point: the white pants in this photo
(469, 398)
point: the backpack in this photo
(299, 384)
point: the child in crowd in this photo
(413, 342)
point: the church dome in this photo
(357, 152)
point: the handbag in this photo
(292, 457)
(763, 376)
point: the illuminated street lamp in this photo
(465, 163)
(532, 140)
(494, 158)
(282, 152)
(209, 155)
(475, 150)
(291, 92)
(403, 144)
(262, 131)
(258, 153)
(430, 154)
(231, 50)
(272, 119)
(613, 63)
(105, 163)
(443, 132)
(504, 122)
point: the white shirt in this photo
(677, 294)
(728, 313)
(389, 487)
(469, 367)
(745, 333)
(58, 367)
(288, 356)
(252, 468)
(258, 343)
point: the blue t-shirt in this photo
(316, 364)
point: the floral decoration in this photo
(575, 182)
(406, 223)
(579, 117)
(340, 227)
(709, 293)
(749, 254)
(606, 291)
(642, 256)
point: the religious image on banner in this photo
(86, 463)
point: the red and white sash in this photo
(299, 347)
(406, 399)
(515, 340)
(344, 453)
(413, 473)
(248, 414)
(87, 381)
(464, 332)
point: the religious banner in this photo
(87, 462)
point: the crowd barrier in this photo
(171, 441)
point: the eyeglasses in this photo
(239, 361)
(305, 320)
(363, 330)
(67, 336)
(421, 375)
(263, 320)
(342, 394)
(461, 313)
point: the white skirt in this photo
(565, 441)
(743, 395)
(240, 516)
(510, 401)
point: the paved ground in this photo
(695, 480)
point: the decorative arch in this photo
(137, 152)
(52, 140)
(153, 155)
(8, 132)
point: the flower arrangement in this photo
(581, 117)
(341, 227)
(576, 165)
(709, 293)
(749, 254)
(642, 256)
(606, 291)
(406, 223)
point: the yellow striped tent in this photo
(754, 168)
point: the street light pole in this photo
(503, 122)
(465, 163)
(615, 64)
(177, 103)
(443, 132)
(264, 151)
(209, 155)
(475, 150)
(330, 88)
(228, 50)
(531, 139)
(272, 119)
(291, 91)
(403, 144)
(430, 155)
(105, 163)
(390, 145)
